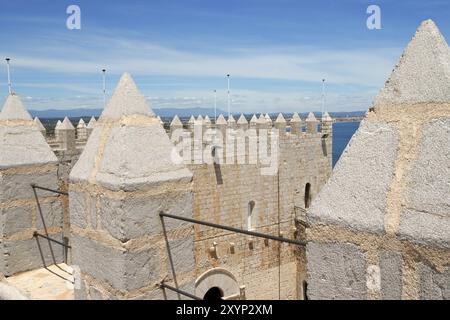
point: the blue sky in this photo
(277, 52)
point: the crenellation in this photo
(81, 130)
(26, 159)
(112, 218)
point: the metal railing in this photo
(163, 215)
(65, 240)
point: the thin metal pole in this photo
(9, 75)
(219, 226)
(104, 87)
(51, 190)
(228, 95)
(162, 285)
(215, 107)
(323, 96)
(36, 234)
(172, 266)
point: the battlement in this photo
(121, 170)
(242, 142)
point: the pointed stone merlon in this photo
(254, 121)
(327, 124)
(231, 122)
(56, 130)
(127, 174)
(262, 122)
(242, 123)
(221, 123)
(160, 120)
(295, 124)
(390, 186)
(66, 134)
(40, 126)
(82, 133)
(176, 124)
(207, 122)
(311, 123)
(280, 124)
(26, 159)
(423, 72)
(191, 123)
(91, 125)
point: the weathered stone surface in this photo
(423, 72)
(126, 270)
(15, 219)
(52, 214)
(126, 100)
(23, 145)
(135, 217)
(434, 285)
(21, 142)
(426, 218)
(81, 292)
(182, 251)
(127, 164)
(18, 186)
(335, 271)
(77, 208)
(391, 275)
(13, 109)
(30, 254)
(81, 171)
(355, 196)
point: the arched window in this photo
(251, 206)
(307, 195)
(213, 294)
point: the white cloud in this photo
(360, 68)
(356, 66)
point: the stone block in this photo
(182, 251)
(135, 217)
(391, 275)
(425, 228)
(434, 285)
(427, 218)
(18, 186)
(30, 254)
(355, 195)
(77, 209)
(122, 269)
(335, 272)
(52, 215)
(15, 219)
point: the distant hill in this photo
(163, 112)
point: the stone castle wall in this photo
(222, 194)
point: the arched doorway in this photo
(213, 294)
(217, 283)
(307, 195)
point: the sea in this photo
(342, 133)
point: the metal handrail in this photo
(247, 232)
(48, 189)
(163, 285)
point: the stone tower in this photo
(26, 159)
(125, 177)
(380, 228)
